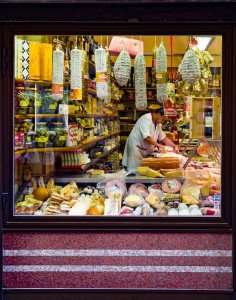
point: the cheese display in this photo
(107, 126)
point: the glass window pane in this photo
(123, 126)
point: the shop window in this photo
(118, 126)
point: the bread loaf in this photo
(161, 163)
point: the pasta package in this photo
(58, 74)
(122, 68)
(140, 82)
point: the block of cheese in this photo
(158, 163)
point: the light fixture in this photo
(203, 42)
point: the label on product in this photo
(24, 103)
(101, 77)
(41, 139)
(53, 106)
(208, 122)
(62, 138)
(63, 109)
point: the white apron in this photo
(136, 147)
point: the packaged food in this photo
(171, 186)
(140, 82)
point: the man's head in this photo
(157, 112)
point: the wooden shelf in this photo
(45, 116)
(81, 146)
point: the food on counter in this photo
(28, 206)
(126, 211)
(148, 172)
(115, 185)
(138, 189)
(112, 205)
(158, 163)
(171, 186)
(133, 200)
(41, 193)
(153, 199)
(172, 173)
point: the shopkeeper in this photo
(146, 137)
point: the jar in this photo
(59, 135)
(42, 135)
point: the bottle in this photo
(208, 123)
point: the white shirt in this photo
(136, 147)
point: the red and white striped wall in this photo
(110, 260)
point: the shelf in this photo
(81, 146)
(131, 88)
(45, 116)
(129, 179)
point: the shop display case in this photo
(67, 137)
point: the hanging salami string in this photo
(161, 72)
(76, 78)
(101, 62)
(58, 72)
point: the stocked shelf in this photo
(82, 146)
(45, 116)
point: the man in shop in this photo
(146, 137)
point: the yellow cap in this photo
(154, 106)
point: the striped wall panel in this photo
(110, 260)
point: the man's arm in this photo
(150, 141)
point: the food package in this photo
(171, 186)
(46, 61)
(133, 200)
(158, 163)
(190, 67)
(113, 204)
(153, 199)
(140, 82)
(115, 186)
(34, 60)
(122, 68)
(126, 211)
(132, 46)
(190, 193)
(102, 76)
(160, 59)
(76, 74)
(138, 189)
(148, 172)
(58, 74)
(81, 206)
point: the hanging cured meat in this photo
(161, 72)
(102, 76)
(190, 67)
(140, 82)
(76, 74)
(58, 73)
(122, 68)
